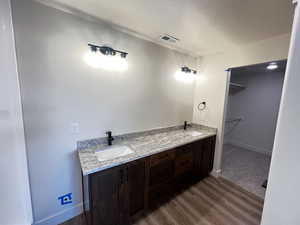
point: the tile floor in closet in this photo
(245, 168)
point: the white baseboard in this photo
(216, 173)
(25, 224)
(62, 216)
(250, 147)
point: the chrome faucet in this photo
(109, 137)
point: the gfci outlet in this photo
(75, 128)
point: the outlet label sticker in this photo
(65, 199)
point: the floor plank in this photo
(79, 220)
(209, 202)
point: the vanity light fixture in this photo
(105, 50)
(186, 75)
(186, 69)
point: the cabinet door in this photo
(212, 152)
(208, 149)
(105, 197)
(203, 157)
(160, 194)
(198, 151)
(183, 164)
(124, 198)
(136, 185)
(161, 173)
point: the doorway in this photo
(253, 102)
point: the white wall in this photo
(282, 198)
(211, 87)
(257, 105)
(59, 88)
(15, 203)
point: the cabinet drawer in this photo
(161, 157)
(184, 163)
(184, 149)
(161, 173)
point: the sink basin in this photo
(194, 133)
(112, 152)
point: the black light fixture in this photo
(124, 54)
(93, 48)
(186, 69)
(107, 50)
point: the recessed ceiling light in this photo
(272, 66)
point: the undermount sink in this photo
(194, 133)
(113, 152)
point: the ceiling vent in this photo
(169, 38)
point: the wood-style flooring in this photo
(209, 202)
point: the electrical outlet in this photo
(75, 128)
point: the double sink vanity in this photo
(142, 170)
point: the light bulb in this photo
(106, 62)
(184, 77)
(272, 66)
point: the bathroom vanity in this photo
(162, 163)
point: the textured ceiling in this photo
(203, 26)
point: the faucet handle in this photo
(109, 134)
(109, 137)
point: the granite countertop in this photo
(143, 144)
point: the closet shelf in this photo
(236, 85)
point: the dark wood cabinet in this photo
(207, 157)
(162, 157)
(161, 173)
(108, 197)
(204, 157)
(159, 194)
(184, 164)
(123, 200)
(198, 152)
(137, 186)
(120, 193)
